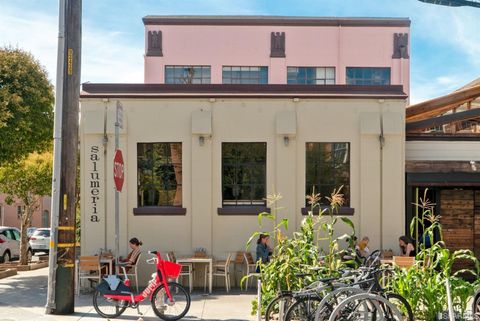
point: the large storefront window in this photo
(244, 75)
(159, 174)
(328, 168)
(244, 174)
(187, 74)
(368, 76)
(311, 75)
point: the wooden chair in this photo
(251, 267)
(187, 270)
(89, 268)
(222, 269)
(404, 261)
(131, 270)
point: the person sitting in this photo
(132, 257)
(362, 247)
(263, 250)
(407, 247)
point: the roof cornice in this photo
(275, 21)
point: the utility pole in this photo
(61, 278)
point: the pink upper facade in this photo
(246, 41)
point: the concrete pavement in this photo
(23, 297)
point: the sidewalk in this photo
(23, 297)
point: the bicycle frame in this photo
(158, 280)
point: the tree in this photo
(26, 106)
(27, 180)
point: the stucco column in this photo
(201, 210)
(370, 178)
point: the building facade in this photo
(10, 214)
(235, 109)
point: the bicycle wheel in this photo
(476, 308)
(277, 308)
(332, 299)
(108, 308)
(171, 310)
(359, 307)
(402, 305)
(303, 309)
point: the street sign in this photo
(119, 114)
(118, 170)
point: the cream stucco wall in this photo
(376, 175)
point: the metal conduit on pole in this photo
(57, 145)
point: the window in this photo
(311, 75)
(16, 234)
(187, 74)
(159, 174)
(328, 168)
(368, 76)
(45, 219)
(8, 234)
(244, 174)
(20, 210)
(245, 75)
(44, 233)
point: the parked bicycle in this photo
(170, 301)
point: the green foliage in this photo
(27, 181)
(26, 106)
(424, 285)
(303, 251)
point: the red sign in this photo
(118, 170)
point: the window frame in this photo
(377, 68)
(182, 67)
(159, 209)
(243, 209)
(266, 69)
(316, 79)
(344, 210)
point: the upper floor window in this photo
(159, 168)
(187, 74)
(244, 174)
(328, 168)
(368, 76)
(311, 75)
(20, 210)
(244, 75)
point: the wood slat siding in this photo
(457, 217)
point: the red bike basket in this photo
(172, 270)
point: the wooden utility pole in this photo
(60, 296)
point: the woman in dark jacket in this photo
(263, 250)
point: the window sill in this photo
(342, 211)
(242, 210)
(159, 210)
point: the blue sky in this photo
(445, 41)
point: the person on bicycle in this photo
(132, 257)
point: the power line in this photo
(455, 3)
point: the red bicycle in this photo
(170, 301)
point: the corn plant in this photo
(424, 285)
(300, 252)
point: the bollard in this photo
(259, 300)
(451, 314)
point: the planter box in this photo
(5, 273)
(28, 267)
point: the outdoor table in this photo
(108, 260)
(204, 260)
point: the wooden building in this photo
(443, 155)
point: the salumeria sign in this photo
(94, 184)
